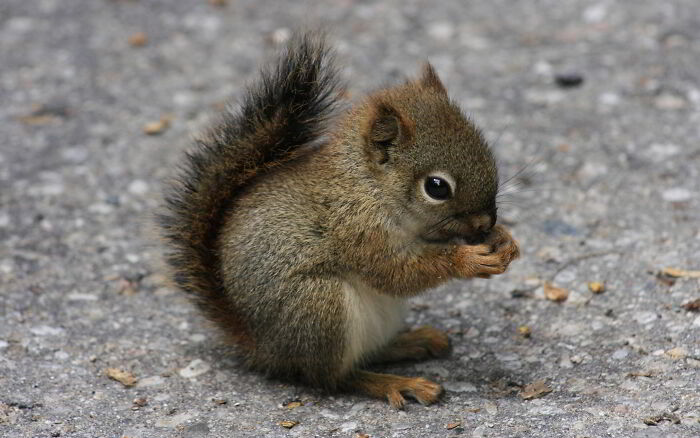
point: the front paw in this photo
(490, 258)
(503, 244)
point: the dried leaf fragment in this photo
(554, 293)
(535, 390)
(124, 377)
(524, 331)
(641, 374)
(596, 287)
(139, 39)
(692, 306)
(677, 273)
(294, 404)
(656, 419)
(288, 424)
(677, 353)
(454, 425)
(155, 128)
(361, 435)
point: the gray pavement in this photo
(610, 193)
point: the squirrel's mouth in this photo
(445, 236)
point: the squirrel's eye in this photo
(437, 188)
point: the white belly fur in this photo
(373, 319)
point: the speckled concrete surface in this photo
(610, 193)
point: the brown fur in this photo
(266, 228)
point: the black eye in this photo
(437, 188)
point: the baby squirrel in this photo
(303, 243)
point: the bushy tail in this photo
(285, 110)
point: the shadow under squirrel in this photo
(301, 234)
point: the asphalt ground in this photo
(597, 103)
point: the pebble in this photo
(661, 151)
(195, 368)
(620, 354)
(197, 337)
(507, 357)
(491, 408)
(150, 381)
(676, 194)
(280, 35)
(645, 317)
(479, 432)
(668, 101)
(350, 426)
(441, 31)
(326, 413)
(568, 80)
(76, 296)
(697, 322)
(459, 387)
(61, 355)
(45, 330)
(174, 420)
(4, 220)
(609, 99)
(595, 13)
(138, 187)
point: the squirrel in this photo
(301, 233)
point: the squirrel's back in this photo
(280, 114)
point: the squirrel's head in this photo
(432, 160)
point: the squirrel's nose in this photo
(481, 222)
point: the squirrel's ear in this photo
(429, 79)
(386, 129)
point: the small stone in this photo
(491, 408)
(45, 330)
(676, 194)
(441, 30)
(609, 99)
(138, 187)
(280, 36)
(667, 101)
(645, 317)
(459, 387)
(350, 426)
(568, 80)
(150, 381)
(81, 297)
(620, 354)
(195, 368)
(595, 13)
